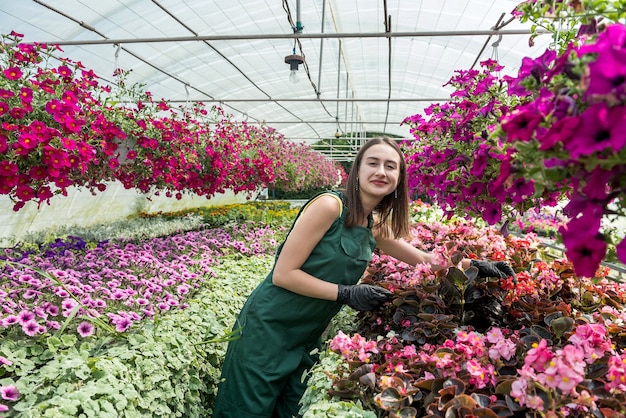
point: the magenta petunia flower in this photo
(492, 213)
(597, 186)
(600, 128)
(521, 190)
(519, 126)
(481, 159)
(606, 75)
(9, 393)
(621, 250)
(585, 251)
(561, 131)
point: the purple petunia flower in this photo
(86, 329)
(492, 213)
(123, 324)
(31, 328)
(9, 393)
(25, 316)
(601, 127)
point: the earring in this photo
(357, 184)
(395, 193)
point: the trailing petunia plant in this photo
(455, 161)
(570, 137)
(554, 133)
(568, 21)
(60, 127)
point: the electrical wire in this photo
(180, 22)
(388, 30)
(304, 64)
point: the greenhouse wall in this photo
(81, 208)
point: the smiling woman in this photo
(316, 272)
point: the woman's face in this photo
(379, 171)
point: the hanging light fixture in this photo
(294, 61)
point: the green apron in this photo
(263, 369)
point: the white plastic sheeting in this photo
(81, 208)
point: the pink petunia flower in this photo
(9, 393)
(86, 329)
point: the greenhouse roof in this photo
(367, 64)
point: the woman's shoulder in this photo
(330, 200)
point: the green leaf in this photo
(562, 325)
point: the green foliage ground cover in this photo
(167, 364)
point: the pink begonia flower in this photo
(504, 348)
(444, 361)
(428, 375)
(566, 369)
(592, 339)
(482, 376)
(535, 402)
(538, 356)
(409, 351)
(616, 375)
(518, 390)
(5, 361)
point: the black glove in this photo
(498, 269)
(363, 297)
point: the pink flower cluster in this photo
(471, 353)
(561, 370)
(355, 348)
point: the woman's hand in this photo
(363, 297)
(497, 269)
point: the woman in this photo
(315, 273)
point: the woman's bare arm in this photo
(309, 229)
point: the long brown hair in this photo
(391, 209)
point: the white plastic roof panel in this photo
(237, 58)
